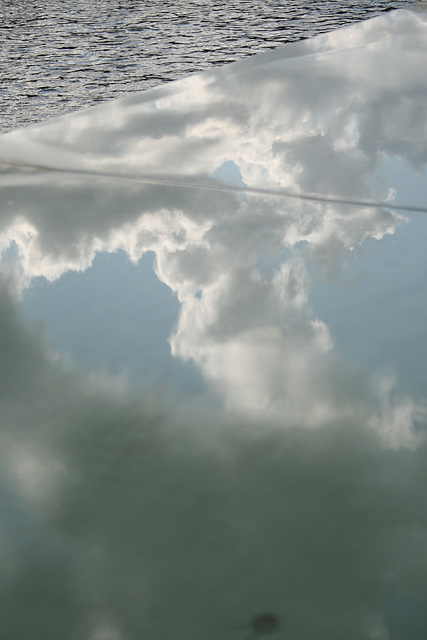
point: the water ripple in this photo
(75, 53)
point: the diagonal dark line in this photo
(207, 186)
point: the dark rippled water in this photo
(62, 55)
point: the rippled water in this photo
(66, 54)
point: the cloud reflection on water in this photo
(301, 489)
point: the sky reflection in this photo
(212, 401)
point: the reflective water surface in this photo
(66, 55)
(213, 353)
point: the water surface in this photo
(68, 54)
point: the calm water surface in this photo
(67, 54)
